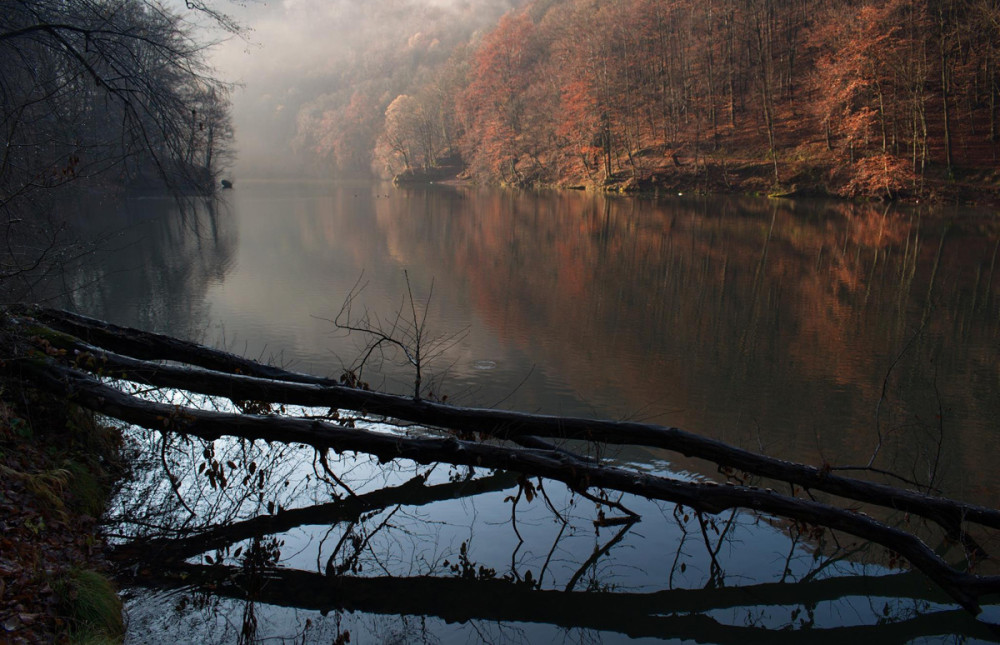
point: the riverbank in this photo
(711, 175)
(57, 467)
(671, 172)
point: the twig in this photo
(885, 386)
(326, 468)
(597, 555)
(607, 502)
(170, 476)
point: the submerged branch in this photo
(83, 389)
(238, 378)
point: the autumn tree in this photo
(985, 31)
(410, 133)
(497, 108)
(604, 115)
(613, 90)
(870, 70)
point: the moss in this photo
(46, 333)
(57, 468)
(91, 604)
(89, 492)
(48, 486)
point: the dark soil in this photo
(56, 467)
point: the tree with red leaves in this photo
(505, 108)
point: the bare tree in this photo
(115, 92)
(404, 333)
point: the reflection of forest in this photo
(769, 324)
(154, 262)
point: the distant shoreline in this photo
(720, 176)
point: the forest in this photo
(105, 97)
(112, 91)
(858, 99)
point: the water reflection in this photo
(814, 331)
(719, 313)
(824, 333)
(428, 553)
(155, 261)
(679, 615)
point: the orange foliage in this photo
(591, 90)
(495, 105)
(880, 174)
(886, 94)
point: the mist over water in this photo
(302, 61)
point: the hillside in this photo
(859, 99)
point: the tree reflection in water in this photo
(242, 541)
(817, 304)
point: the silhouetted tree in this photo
(115, 91)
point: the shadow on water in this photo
(814, 332)
(465, 551)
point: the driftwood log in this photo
(72, 356)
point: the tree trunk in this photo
(945, 89)
(237, 378)
(240, 381)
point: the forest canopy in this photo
(876, 99)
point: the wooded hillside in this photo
(881, 99)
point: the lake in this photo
(821, 332)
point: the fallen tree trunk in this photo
(217, 373)
(45, 372)
(152, 346)
(240, 379)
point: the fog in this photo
(302, 62)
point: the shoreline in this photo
(976, 187)
(58, 466)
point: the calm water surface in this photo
(811, 331)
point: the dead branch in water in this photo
(237, 378)
(59, 362)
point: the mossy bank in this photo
(58, 466)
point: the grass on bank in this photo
(57, 469)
